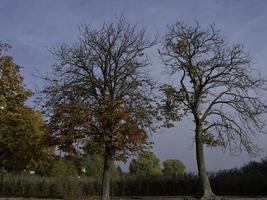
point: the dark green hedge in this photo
(249, 180)
(47, 187)
(69, 187)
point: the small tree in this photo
(100, 93)
(63, 167)
(173, 168)
(217, 86)
(145, 164)
(94, 166)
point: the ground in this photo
(146, 198)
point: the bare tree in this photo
(100, 93)
(217, 86)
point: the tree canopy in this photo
(173, 167)
(22, 129)
(146, 164)
(94, 166)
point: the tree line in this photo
(146, 164)
(100, 98)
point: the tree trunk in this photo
(203, 176)
(106, 179)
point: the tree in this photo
(146, 164)
(95, 165)
(173, 168)
(43, 167)
(217, 86)
(22, 130)
(63, 167)
(100, 94)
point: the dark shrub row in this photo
(70, 187)
(248, 180)
(47, 187)
(156, 186)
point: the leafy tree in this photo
(43, 168)
(95, 165)
(63, 168)
(173, 168)
(22, 130)
(217, 86)
(100, 94)
(43, 165)
(145, 164)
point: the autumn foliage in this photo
(22, 130)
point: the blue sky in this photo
(34, 26)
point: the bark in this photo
(106, 179)
(203, 176)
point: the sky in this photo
(32, 27)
